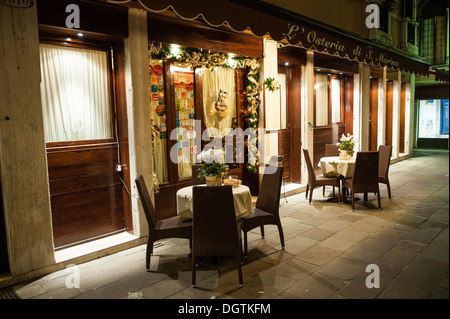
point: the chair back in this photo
(385, 159)
(365, 177)
(195, 179)
(331, 150)
(149, 209)
(311, 173)
(215, 230)
(270, 191)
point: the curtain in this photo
(321, 99)
(214, 80)
(335, 100)
(75, 94)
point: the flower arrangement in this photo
(202, 58)
(212, 166)
(347, 144)
(272, 84)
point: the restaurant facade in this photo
(96, 93)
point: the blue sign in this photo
(444, 117)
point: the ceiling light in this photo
(80, 34)
(68, 39)
(286, 63)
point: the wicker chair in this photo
(330, 150)
(318, 180)
(365, 177)
(266, 211)
(215, 229)
(384, 162)
(195, 179)
(173, 227)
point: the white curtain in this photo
(335, 100)
(321, 87)
(214, 80)
(75, 94)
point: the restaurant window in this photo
(184, 118)
(328, 99)
(75, 93)
(321, 92)
(159, 120)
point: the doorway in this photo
(81, 125)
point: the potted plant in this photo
(213, 173)
(212, 169)
(346, 147)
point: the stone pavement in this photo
(328, 247)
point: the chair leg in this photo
(366, 197)
(389, 189)
(239, 264)
(323, 190)
(353, 200)
(262, 231)
(310, 195)
(307, 189)
(148, 254)
(379, 200)
(339, 195)
(193, 271)
(280, 230)
(245, 244)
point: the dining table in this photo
(241, 197)
(334, 166)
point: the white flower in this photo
(210, 156)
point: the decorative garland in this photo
(202, 58)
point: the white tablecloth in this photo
(241, 195)
(334, 166)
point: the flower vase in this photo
(344, 155)
(212, 181)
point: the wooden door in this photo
(87, 193)
(289, 138)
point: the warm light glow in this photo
(175, 50)
(232, 62)
(286, 63)
(80, 34)
(68, 39)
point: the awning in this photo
(284, 26)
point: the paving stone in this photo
(399, 290)
(318, 255)
(398, 257)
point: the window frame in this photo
(108, 48)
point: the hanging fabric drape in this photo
(75, 94)
(214, 80)
(321, 88)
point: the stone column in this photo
(138, 108)
(396, 116)
(381, 136)
(364, 104)
(307, 111)
(271, 119)
(409, 119)
(23, 159)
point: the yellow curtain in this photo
(214, 80)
